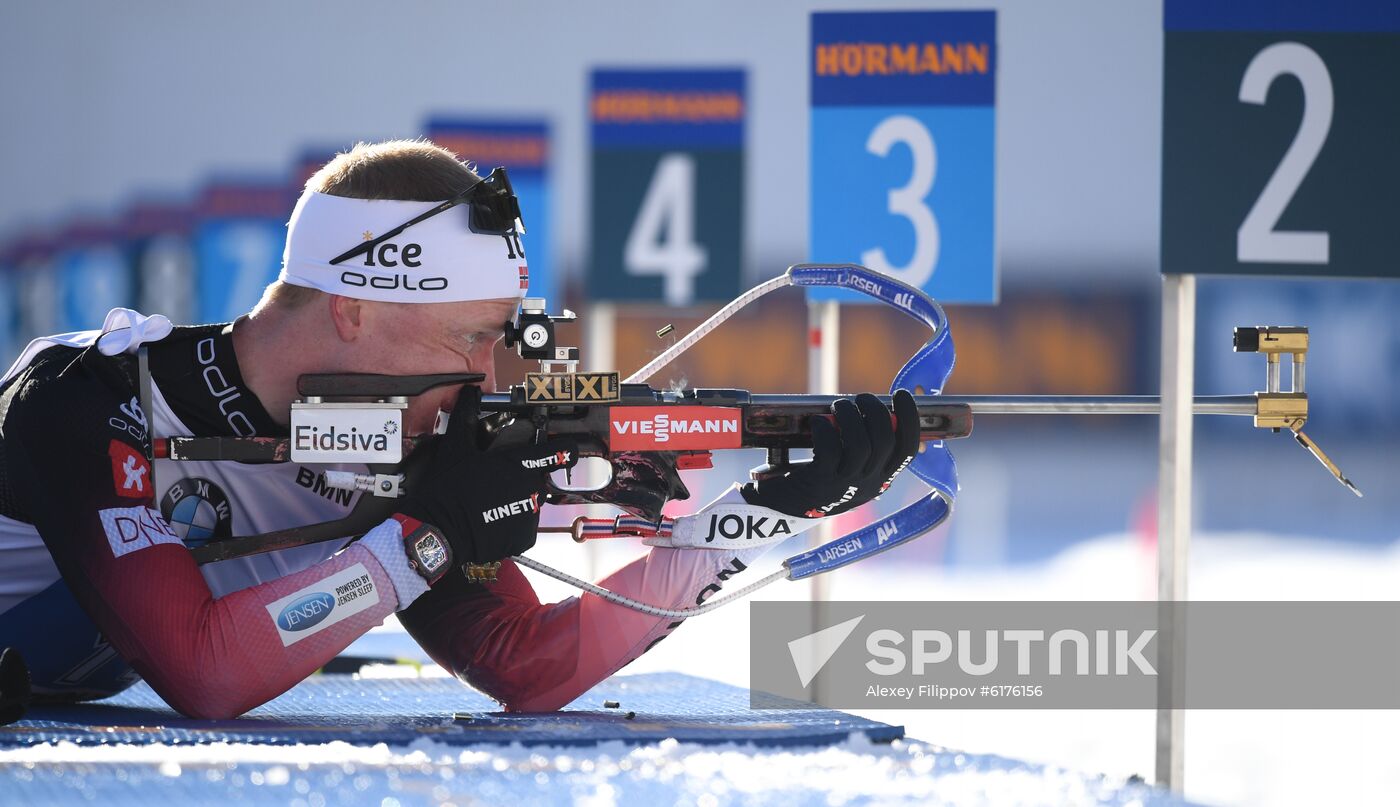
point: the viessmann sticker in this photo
(673, 428)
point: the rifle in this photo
(649, 435)
(646, 435)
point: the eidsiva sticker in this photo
(131, 473)
(322, 604)
(673, 428)
(354, 434)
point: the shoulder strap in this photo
(143, 391)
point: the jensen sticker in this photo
(322, 604)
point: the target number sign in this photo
(903, 148)
(238, 245)
(1279, 131)
(668, 185)
(522, 146)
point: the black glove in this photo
(852, 462)
(484, 502)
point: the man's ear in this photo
(348, 315)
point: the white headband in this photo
(438, 260)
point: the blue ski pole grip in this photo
(887, 533)
(926, 371)
(871, 283)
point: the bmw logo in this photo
(198, 511)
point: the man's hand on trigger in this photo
(852, 462)
(485, 503)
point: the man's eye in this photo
(484, 337)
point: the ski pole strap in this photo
(588, 529)
(927, 369)
(904, 525)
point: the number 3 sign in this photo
(903, 143)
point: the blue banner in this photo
(9, 308)
(904, 58)
(667, 109)
(159, 250)
(238, 244)
(36, 287)
(904, 149)
(1354, 16)
(522, 146)
(93, 275)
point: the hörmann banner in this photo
(904, 149)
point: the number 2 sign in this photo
(1279, 130)
(903, 147)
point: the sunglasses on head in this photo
(492, 209)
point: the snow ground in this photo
(1233, 757)
(855, 772)
(1075, 757)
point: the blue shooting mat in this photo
(398, 711)
(788, 758)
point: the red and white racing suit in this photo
(97, 587)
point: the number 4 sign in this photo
(662, 240)
(668, 185)
(903, 146)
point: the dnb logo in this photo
(198, 511)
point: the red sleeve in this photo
(531, 656)
(85, 484)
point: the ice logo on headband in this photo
(389, 256)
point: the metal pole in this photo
(1246, 405)
(600, 348)
(823, 378)
(1174, 517)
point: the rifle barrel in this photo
(1245, 405)
(1099, 404)
(1049, 404)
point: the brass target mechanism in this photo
(1274, 408)
(482, 572)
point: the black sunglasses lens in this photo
(501, 180)
(492, 206)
